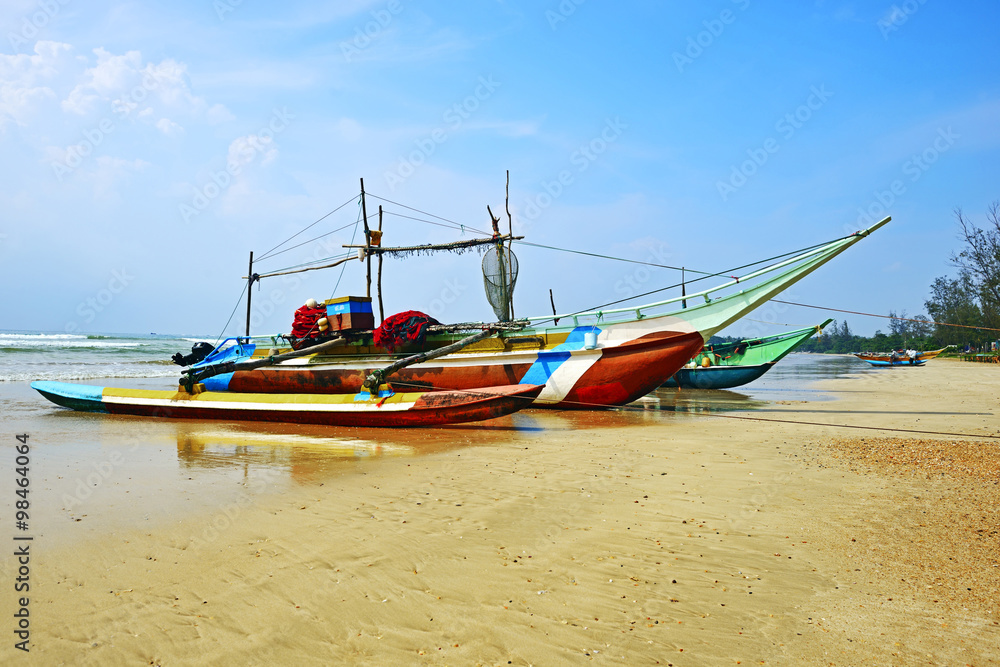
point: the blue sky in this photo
(149, 147)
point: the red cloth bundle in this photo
(410, 326)
(304, 325)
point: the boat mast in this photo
(510, 247)
(250, 278)
(381, 313)
(684, 303)
(368, 242)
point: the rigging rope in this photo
(704, 277)
(631, 408)
(665, 266)
(268, 253)
(457, 225)
(353, 235)
(888, 317)
(238, 302)
(299, 245)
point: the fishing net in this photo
(499, 277)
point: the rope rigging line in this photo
(630, 408)
(268, 253)
(299, 245)
(456, 224)
(676, 285)
(887, 317)
(288, 269)
(238, 302)
(344, 266)
(462, 228)
(706, 274)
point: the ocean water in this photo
(31, 355)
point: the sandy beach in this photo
(673, 538)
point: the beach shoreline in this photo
(545, 538)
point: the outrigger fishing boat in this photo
(383, 408)
(585, 359)
(899, 357)
(592, 358)
(734, 364)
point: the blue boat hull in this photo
(898, 362)
(717, 377)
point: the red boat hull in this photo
(611, 376)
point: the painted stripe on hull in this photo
(628, 372)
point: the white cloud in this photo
(125, 83)
(218, 113)
(169, 127)
(26, 80)
(243, 150)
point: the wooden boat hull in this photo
(573, 378)
(596, 358)
(735, 364)
(717, 377)
(389, 409)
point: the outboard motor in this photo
(198, 352)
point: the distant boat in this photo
(734, 364)
(386, 408)
(899, 357)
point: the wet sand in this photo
(670, 536)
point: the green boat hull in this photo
(736, 364)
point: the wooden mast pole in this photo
(684, 303)
(249, 291)
(381, 312)
(510, 247)
(368, 242)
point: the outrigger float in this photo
(385, 408)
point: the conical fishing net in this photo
(499, 277)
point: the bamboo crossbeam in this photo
(457, 245)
